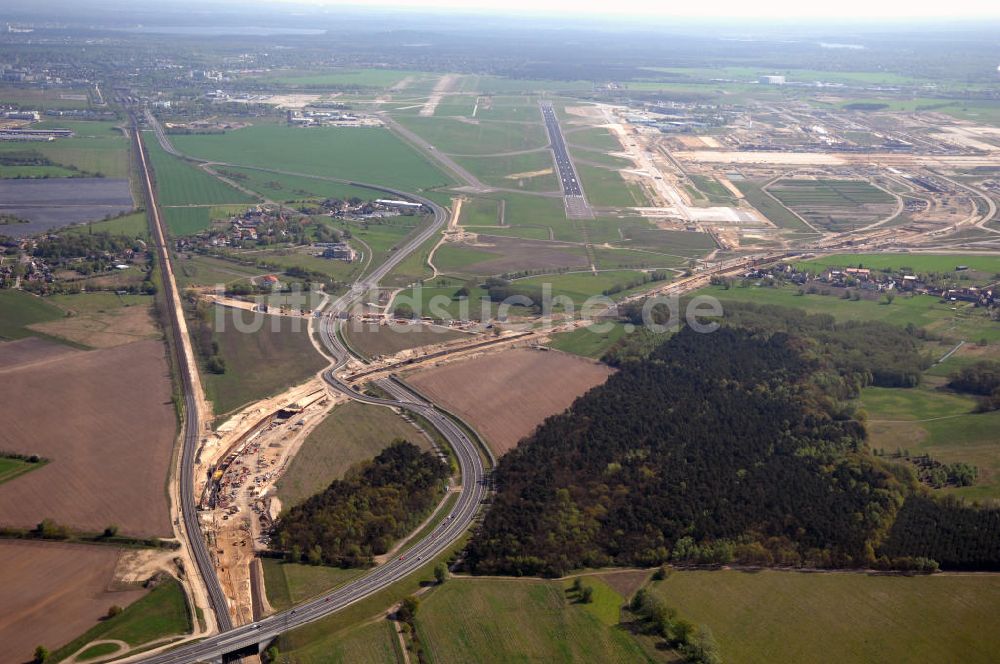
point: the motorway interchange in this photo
(471, 463)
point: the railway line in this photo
(185, 359)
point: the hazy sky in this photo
(847, 10)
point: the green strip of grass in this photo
(11, 468)
(161, 613)
(841, 617)
(18, 310)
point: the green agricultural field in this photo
(11, 468)
(485, 138)
(370, 155)
(716, 193)
(187, 220)
(313, 643)
(836, 205)
(181, 183)
(915, 404)
(303, 257)
(941, 425)
(586, 342)
(842, 617)
(11, 172)
(288, 584)
(479, 212)
(606, 188)
(523, 232)
(550, 626)
(383, 236)
(951, 320)
(201, 270)
(374, 340)
(527, 210)
(259, 363)
(530, 171)
(440, 302)
(161, 613)
(581, 285)
(183, 220)
(351, 433)
(18, 310)
(97, 148)
(285, 188)
(777, 213)
(453, 258)
(602, 230)
(918, 263)
(374, 642)
(39, 99)
(456, 106)
(598, 158)
(517, 108)
(133, 225)
(414, 267)
(344, 78)
(597, 138)
(686, 244)
(498, 85)
(794, 74)
(618, 259)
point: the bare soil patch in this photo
(626, 583)
(29, 352)
(506, 395)
(373, 339)
(53, 592)
(104, 329)
(515, 254)
(106, 421)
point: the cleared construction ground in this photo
(506, 395)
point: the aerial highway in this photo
(471, 464)
(188, 506)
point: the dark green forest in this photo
(740, 445)
(361, 516)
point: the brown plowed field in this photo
(506, 395)
(51, 593)
(105, 421)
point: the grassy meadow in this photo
(161, 613)
(181, 183)
(350, 434)
(371, 155)
(260, 363)
(841, 617)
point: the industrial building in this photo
(339, 251)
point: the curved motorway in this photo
(417, 555)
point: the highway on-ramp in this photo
(471, 467)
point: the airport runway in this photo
(575, 200)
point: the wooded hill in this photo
(738, 445)
(361, 516)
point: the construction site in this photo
(776, 178)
